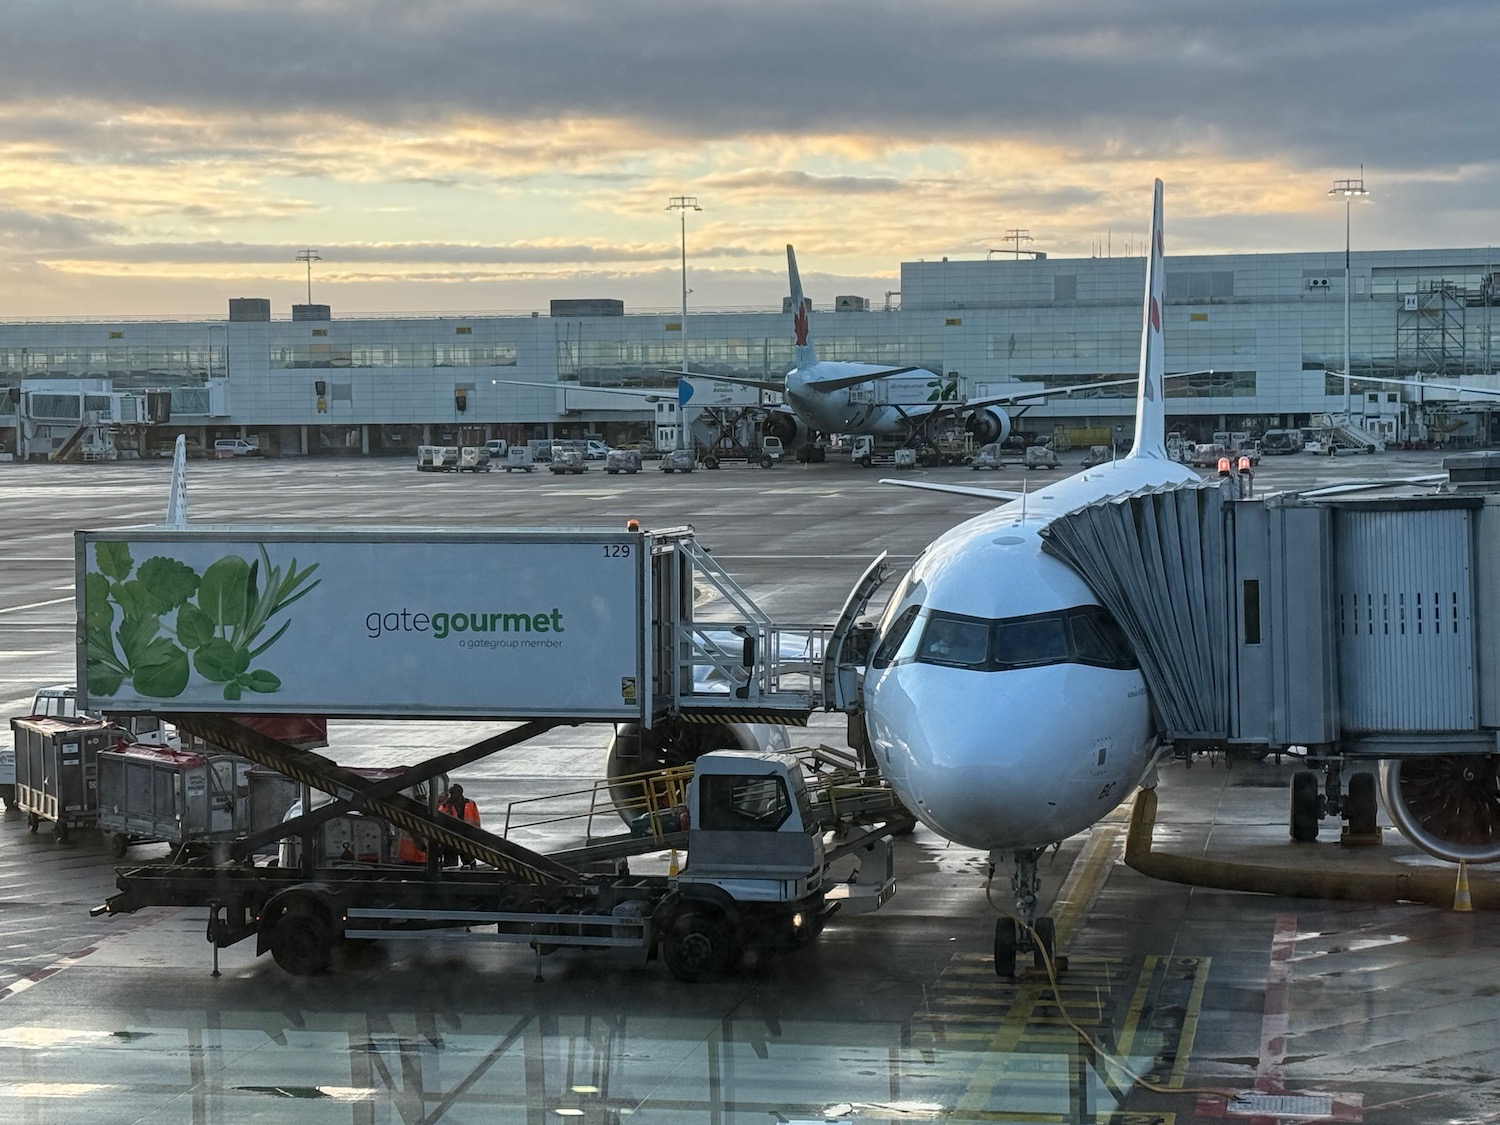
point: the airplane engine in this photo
(786, 426)
(673, 743)
(988, 425)
(1446, 804)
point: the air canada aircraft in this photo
(835, 396)
(1003, 703)
(822, 396)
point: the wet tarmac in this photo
(1179, 1004)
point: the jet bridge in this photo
(1352, 628)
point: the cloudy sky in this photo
(161, 156)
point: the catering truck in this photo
(756, 879)
(539, 628)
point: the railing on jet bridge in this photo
(743, 657)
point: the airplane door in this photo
(841, 669)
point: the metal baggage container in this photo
(184, 798)
(57, 770)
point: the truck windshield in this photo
(742, 804)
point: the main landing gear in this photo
(1037, 936)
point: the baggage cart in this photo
(187, 799)
(57, 762)
(474, 459)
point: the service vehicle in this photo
(567, 461)
(1040, 457)
(990, 456)
(1206, 455)
(498, 448)
(474, 459)
(235, 447)
(757, 877)
(767, 456)
(622, 461)
(1281, 441)
(1097, 455)
(677, 461)
(437, 458)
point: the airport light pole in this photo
(682, 204)
(309, 256)
(1348, 189)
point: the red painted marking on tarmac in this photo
(21, 984)
(1270, 1088)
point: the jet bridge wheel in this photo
(1306, 807)
(671, 743)
(1446, 804)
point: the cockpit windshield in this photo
(1081, 635)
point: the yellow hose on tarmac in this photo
(1295, 871)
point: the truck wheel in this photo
(765, 461)
(710, 462)
(866, 462)
(117, 845)
(33, 822)
(302, 942)
(696, 948)
(60, 832)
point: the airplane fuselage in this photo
(837, 411)
(1042, 725)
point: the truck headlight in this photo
(797, 920)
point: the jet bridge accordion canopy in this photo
(1315, 621)
(1156, 561)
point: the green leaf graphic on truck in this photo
(155, 624)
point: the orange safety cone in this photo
(1461, 900)
(672, 871)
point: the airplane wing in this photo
(991, 494)
(1371, 485)
(1037, 396)
(739, 381)
(647, 394)
(837, 384)
(845, 381)
(1425, 383)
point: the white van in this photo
(235, 447)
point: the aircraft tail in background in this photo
(805, 355)
(1150, 402)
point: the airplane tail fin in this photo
(1150, 402)
(805, 355)
(177, 498)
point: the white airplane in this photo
(830, 396)
(1003, 703)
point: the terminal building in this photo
(1263, 334)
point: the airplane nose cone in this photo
(998, 760)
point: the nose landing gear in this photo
(1026, 933)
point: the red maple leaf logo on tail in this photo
(799, 326)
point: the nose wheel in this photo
(1031, 934)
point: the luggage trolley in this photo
(188, 799)
(57, 770)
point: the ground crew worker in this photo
(456, 805)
